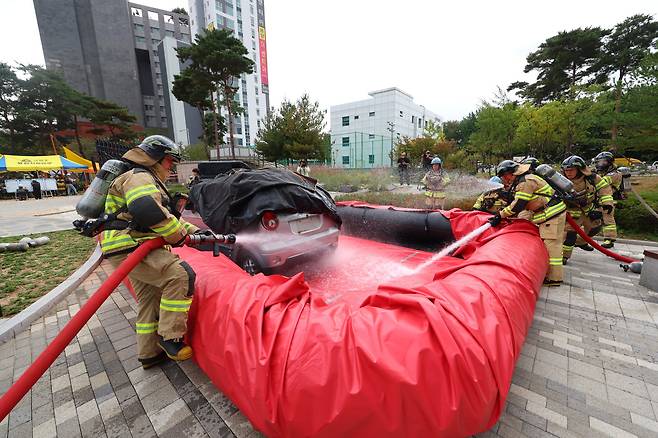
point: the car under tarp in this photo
(365, 345)
(229, 203)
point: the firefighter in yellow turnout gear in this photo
(591, 191)
(163, 283)
(605, 168)
(494, 200)
(535, 200)
(435, 181)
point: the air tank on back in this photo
(92, 203)
(625, 178)
(554, 179)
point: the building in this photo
(184, 121)
(363, 133)
(108, 50)
(246, 18)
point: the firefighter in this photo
(532, 161)
(605, 167)
(535, 200)
(493, 200)
(163, 283)
(591, 192)
(435, 181)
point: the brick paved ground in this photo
(589, 368)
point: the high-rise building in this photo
(246, 18)
(363, 133)
(108, 50)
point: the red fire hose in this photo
(55, 348)
(591, 241)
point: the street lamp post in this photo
(391, 129)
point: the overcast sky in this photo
(447, 55)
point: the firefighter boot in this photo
(153, 361)
(552, 283)
(608, 243)
(585, 247)
(176, 349)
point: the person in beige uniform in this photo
(606, 169)
(435, 183)
(591, 192)
(535, 200)
(164, 284)
(494, 200)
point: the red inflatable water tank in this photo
(363, 345)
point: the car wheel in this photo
(249, 263)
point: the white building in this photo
(363, 133)
(246, 18)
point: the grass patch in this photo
(346, 180)
(26, 276)
(633, 220)
(406, 200)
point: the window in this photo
(139, 39)
(162, 108)
(419, 123)
(371, 136)
(168, 19)
(240, 142)
(139, 26)
(371, 114)
(346, 159)
(413, 119)
(163, 120)
(356, 117)
(148, 107)
(153, 15)
(371, 159)
(401, 114)
(136, 12)
(346, 141)
(154, 41)
(169, 33)
(346, 120)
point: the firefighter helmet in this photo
(603, 161)
(532, 161)
(506, 166)
(157, 146)
(436, 160)
(574, 161)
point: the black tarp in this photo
(230, 203)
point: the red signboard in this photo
(263, 56)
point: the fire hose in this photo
(18, 390)
(591, 241)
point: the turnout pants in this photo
(571, 238)
(609, 225)
(164, 285)
(435, 200)
(551, 232)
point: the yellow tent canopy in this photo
(80, 160)
(22, 163)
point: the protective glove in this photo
(607, 208)
(495, 220)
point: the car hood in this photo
(230, 203)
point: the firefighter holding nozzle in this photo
(164, 284)
(592, 195)
(535, 200)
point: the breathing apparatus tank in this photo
(625, 178)
(92, 203)
(556, 180)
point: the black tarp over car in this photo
(230, 203)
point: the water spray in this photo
(453, 246)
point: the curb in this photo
(36, 310)
(630, 241)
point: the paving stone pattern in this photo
(589, 368)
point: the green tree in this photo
(214, 126)
(294, 131)
(563, 62)
(217, 59)
(495, 131)
(625, 49)
(114, 118)
(184, 16)
(460, 131)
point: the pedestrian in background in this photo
(36, 189)
(427, 161)
(403, 168)
(303, 168)
(195, 178)
(70, 185)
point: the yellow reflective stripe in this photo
(555, 261)
(601, 184)
(188, 226)
(146, 327)
(606, 198)
(523, 196)
(546, 190)
(175, 305)
(609, 227)
(567, 247)
(168, 229)
(138, 192)
(112, 241)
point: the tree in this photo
(9, 100)
(214, 126)
(113, 117)
(184, 16)
(625, 48)
(563, 62)
(217, 59)
(294, 131)
(495, 131)
(460, 131)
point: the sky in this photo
(449, 55)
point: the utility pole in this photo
(391, 129)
